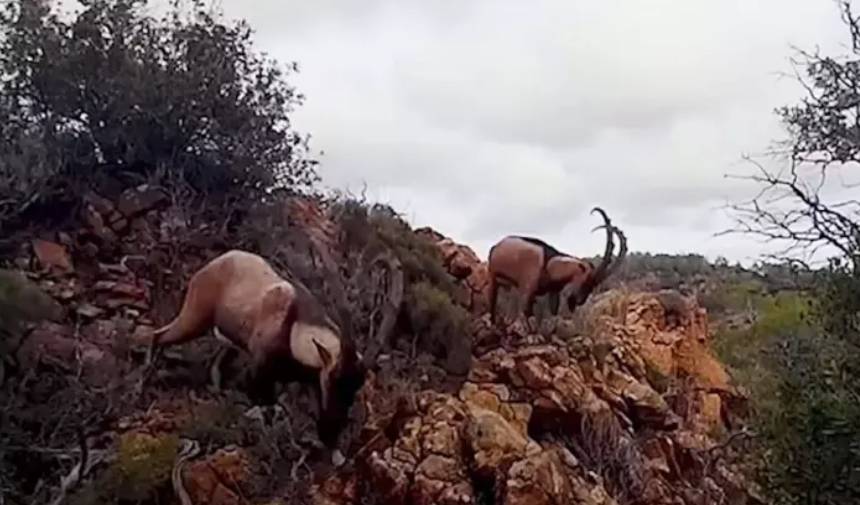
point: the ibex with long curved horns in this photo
(536, 268)
(281, 325)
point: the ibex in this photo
(536, 268)
(283, 328)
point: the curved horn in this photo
(622, 251)
(600, 271)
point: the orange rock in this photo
(709, 413)
(336, 490)
(52, 255)
(218, 479)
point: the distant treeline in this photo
(693, 271)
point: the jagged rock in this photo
(218, 479)
(96, 222)
(645, 405)
(99, 203)
(164, 417)
(508, 435)
(494, 442)
(53, 256)
(116, 294)
(143, 198)
(21, 298)
(89, 311)
(537, 480)
(336, 490)
(465, 266)
(55, 345)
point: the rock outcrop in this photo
(618, 406)
(465, 266)
(537, 425)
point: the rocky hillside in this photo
(623, 403)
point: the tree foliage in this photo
(114, 91)
(808, 419)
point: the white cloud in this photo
(492, 117)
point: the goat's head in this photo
(347, 372)
(344, 376)
(606, 267)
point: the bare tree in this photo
(797, 205)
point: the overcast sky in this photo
(491, 117)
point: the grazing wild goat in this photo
(283, 328)
(536, 268)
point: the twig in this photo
(190, 449)
(360, 452)
(85, 454)
(79, 471)
(303, 453)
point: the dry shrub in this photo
(603, 447)
(609, 306)
(440, 325)
(216, 424)
(140, 473)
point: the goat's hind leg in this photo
(223, 357)
(194, 318)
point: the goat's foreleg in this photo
(492, 294)
(554, 303)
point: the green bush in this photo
(799, 362)
(216, 425)
(113, 91)
(379, 227)
(778, 316)
(729, 296)
(141, 472)
(440, 325)
(21, 301)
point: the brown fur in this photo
(535, 268)
(239, 293)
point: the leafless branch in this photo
(790, 210)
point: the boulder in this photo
(56, 346)
(53, 256)
(139, 200)
(22, 299)
(218, 479)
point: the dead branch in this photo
(82, 443)
(714, 454)
(824, 129)
(790, 210)
(390, 305)
(190, 449)
(76, 475)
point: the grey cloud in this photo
(493, 117)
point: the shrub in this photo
(730, 296)
(140, 473)
(111, 91)
(440, 324)
(604, 448)
(779, 315)
(379, 226)
(20, 301)
(798, 360)
(216, 425)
